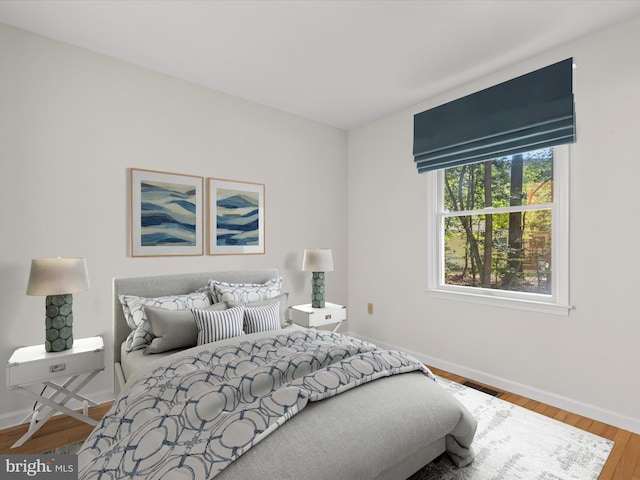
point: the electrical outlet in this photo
(370, 308)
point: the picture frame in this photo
(167, 213)
(236, 217)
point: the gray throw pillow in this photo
(173, 329)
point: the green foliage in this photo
(516, 262)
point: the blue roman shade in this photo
(532, 111)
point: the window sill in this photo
(504, 302)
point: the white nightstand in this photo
(310, 317)
(34, 365)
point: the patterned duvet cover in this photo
(205, 407)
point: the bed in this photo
(346, 409)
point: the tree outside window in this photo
(497, 225)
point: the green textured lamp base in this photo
(317, 290)
(59, 323)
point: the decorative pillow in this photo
(259, 303)
(244, 292)
(217, 325)
(173, 329)
(262, 319)
(133, 308)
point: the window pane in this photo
(515, 256)
(525, 179)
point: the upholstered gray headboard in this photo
(180, 283)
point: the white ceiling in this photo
(342, 63)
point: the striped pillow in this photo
(217, 325)
(262, 319)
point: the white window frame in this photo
(558, 302)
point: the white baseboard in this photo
(14, 418)
(569, 404)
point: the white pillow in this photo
(262, 319)
(214, 325)
(244, 292)
(133, 308)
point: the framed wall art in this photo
(236, 217)
(167, 214)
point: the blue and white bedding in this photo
(204, 409)
(176, 409)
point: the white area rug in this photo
(514, 443)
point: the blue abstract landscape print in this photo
(237, 217)
(168, 214)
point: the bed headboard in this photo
(178, 283)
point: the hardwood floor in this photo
(59, 431)
(623, 463)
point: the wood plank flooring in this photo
(60, 430)
(623, 463)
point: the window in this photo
(498, 231)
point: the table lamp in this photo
(318, 261)
(58, 278)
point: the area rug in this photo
(70, 449)
(513, 443)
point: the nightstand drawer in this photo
(34, 365)
(316, 317)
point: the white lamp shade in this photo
(57, 276)
(317, 260)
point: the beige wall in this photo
(589, 361)
(71, 125)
